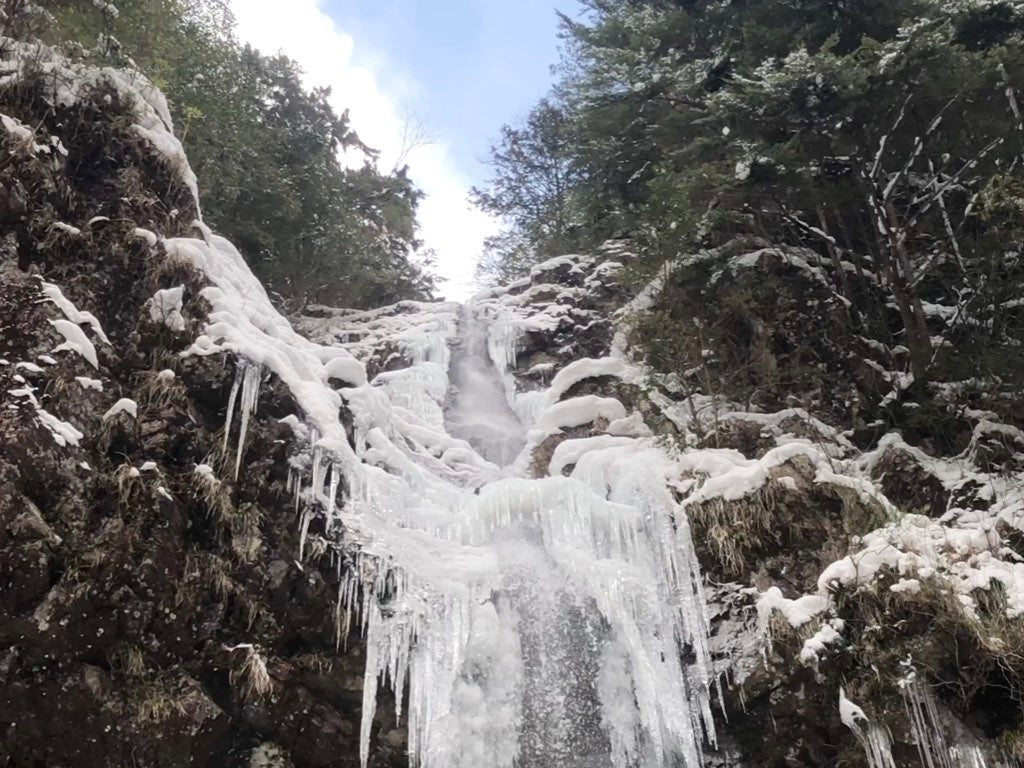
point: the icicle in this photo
(303, 532)
(332, 495)
(873, 738)
(239, 375)
(924, 723)
(251, 376)
(370, 682)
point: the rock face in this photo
(152, 608)
(177, 586)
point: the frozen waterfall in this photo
(525, 623)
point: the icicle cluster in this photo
(247, 379)
(535, 621)
(873, 737)
(935, 746)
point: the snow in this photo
(578, 411)
(124, 405)
(23, 135)
(87, 383)
(63, 433)
(165, 307)
(588, 368)
(66, 228)
(631, 426)
(816, 645)
(570, 452)
(964, 559)
(797, 612)
(850, 714)
(732, 476)
(346, 369)
(17, 129)
(147, 235)
(53, 293)
(75, 340)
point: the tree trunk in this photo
(914, 321)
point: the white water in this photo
(535, 623)
(479, 412)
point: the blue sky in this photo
(463, 67)
(477, 63)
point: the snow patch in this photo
(165, 307)
(124, 405)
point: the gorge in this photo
(452, 536)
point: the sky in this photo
(458, 68)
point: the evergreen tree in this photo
(266, 151)
(534, 191)
(882, 134)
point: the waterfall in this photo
(528, 623)
(479, 412)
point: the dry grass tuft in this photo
(736, 529)
(251, 676)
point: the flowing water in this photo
(479, 412)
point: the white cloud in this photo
(306, 33)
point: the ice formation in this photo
(530, 621)
(165, 307)
(533, 621)
(874, 738)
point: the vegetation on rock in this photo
(267, 152)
